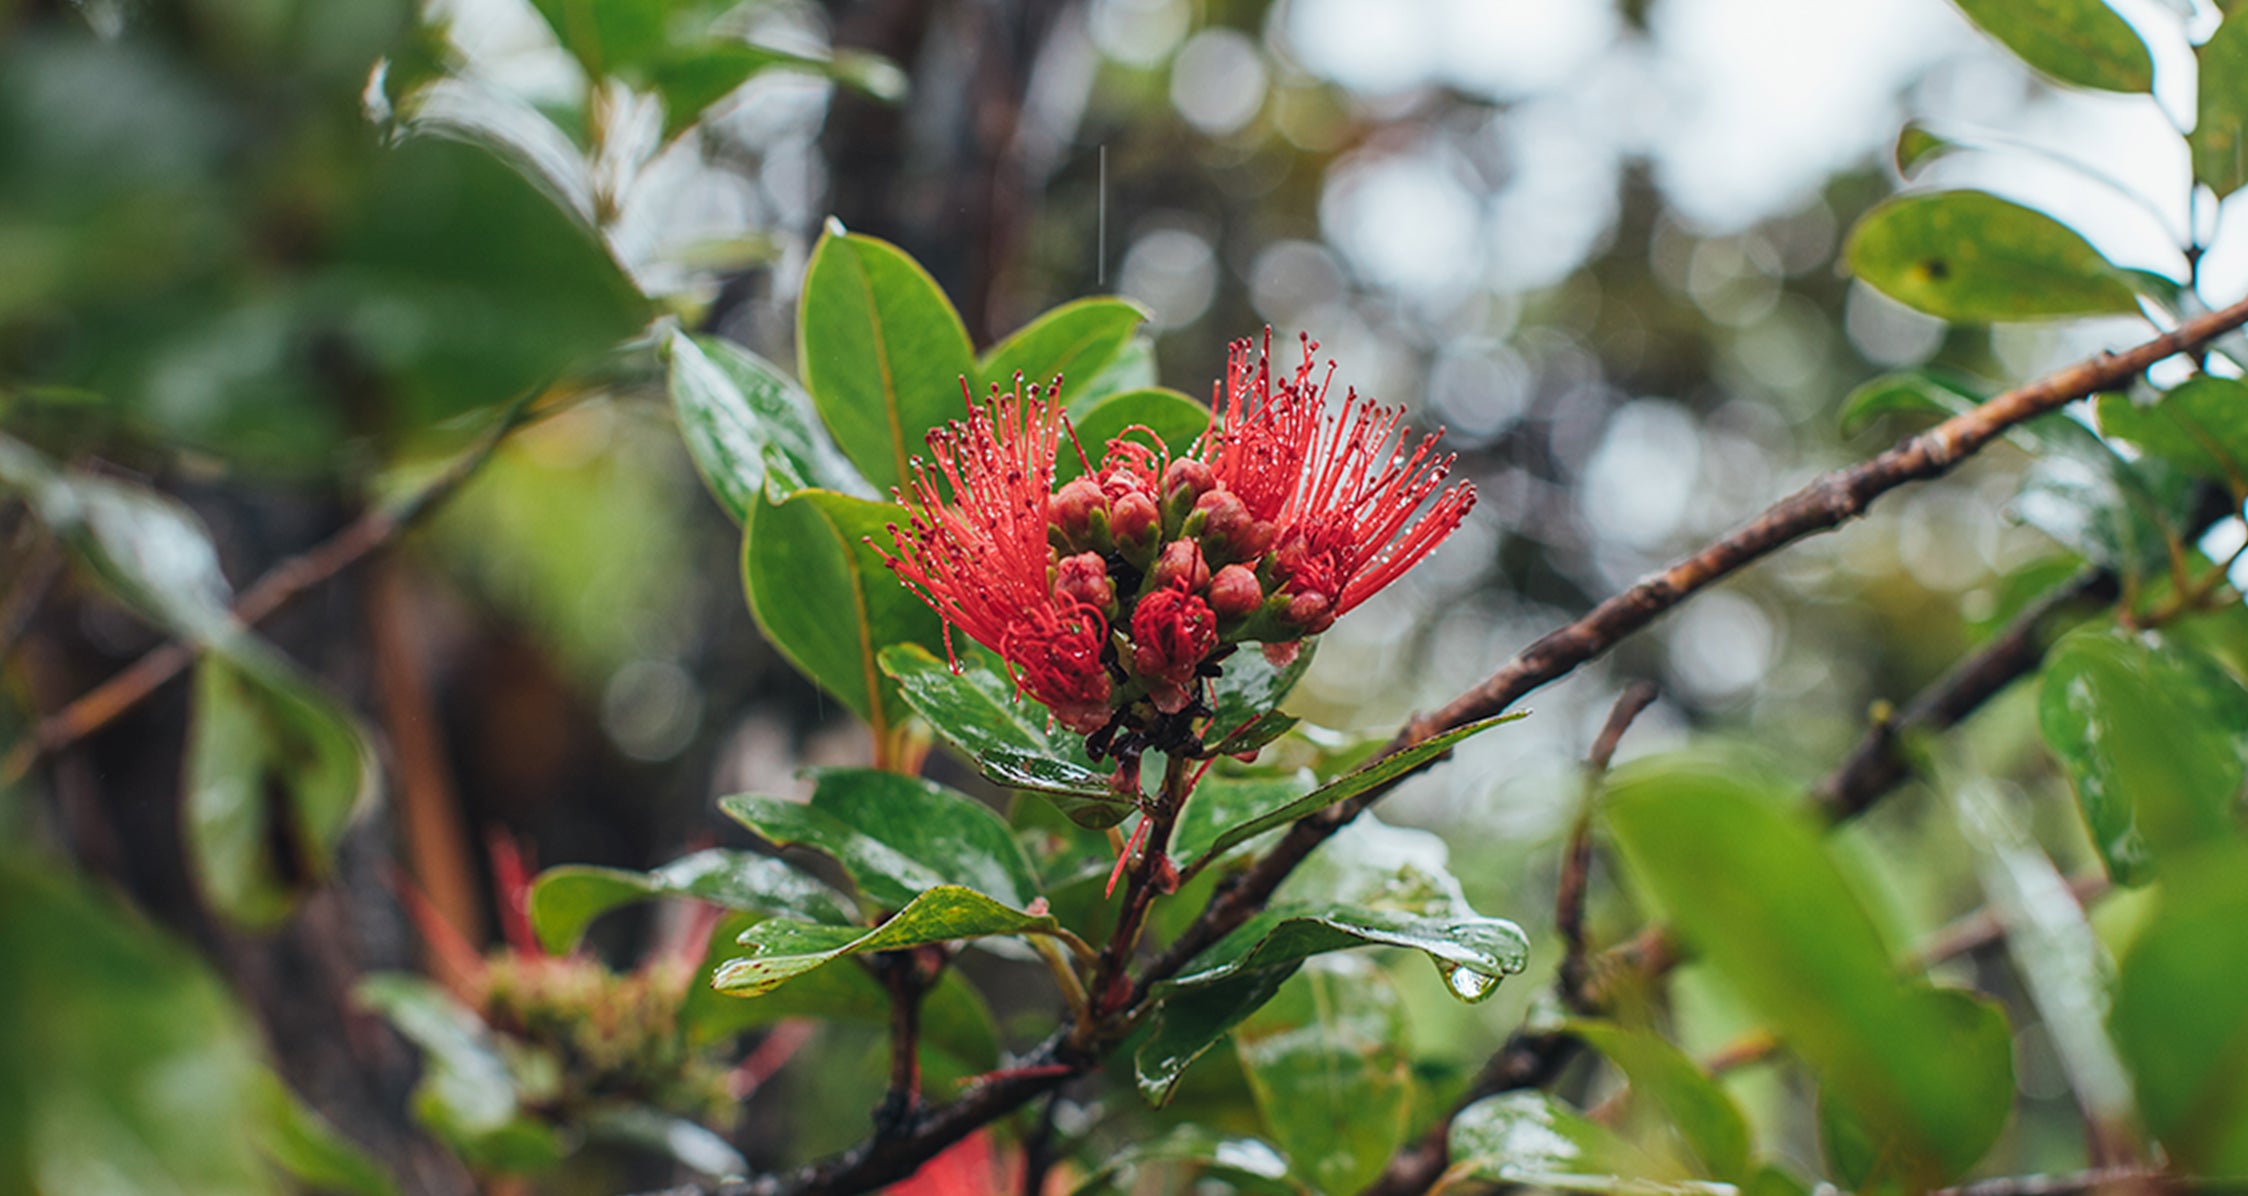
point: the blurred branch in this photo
(1576, 861)
(1528, 1058)
(30, 589)
(277, 588)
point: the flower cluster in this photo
(1114, 597)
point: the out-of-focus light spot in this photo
(1787, 349)
(1507, 49)
(1218, 81)
(1139, 33)
(1886, 332)
(1946, 539)
(1721, 644)
(1290, 277)
(1374, 48)
(1479, 393)
(1406, 222)
(651, 708)
(1559, 201)
(1734, 280)
(1639, 482)
(1173, 272)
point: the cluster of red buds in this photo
(1114, 598)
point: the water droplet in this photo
(1468, 984)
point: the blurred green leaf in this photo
(2220, 128)
(2121, 514)
(1328, 1064)
(882, 351)
(691, 78)
(1689, 1100)
(303, 1144)
(955, 1021)
(565, 900)
(1972, 1033)
(2153, 738)
(1793, 940)
(2082, 42)
(1537, 1141)
(467, 1095)
(783, 949)
(1176, 420)
(124, 1066)
(897, 836)
(1970, 257)
(2200, 426)
(1245, 700)
(1353, 783)
(665, 1135)
(979, 712)
(1936, 392)
(275, 770)
(749, 427)
(823, 595)
(1247, 1164)
(1074, 342)
(2181, 1013)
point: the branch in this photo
(277, 588)
(1576, 862)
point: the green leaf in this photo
(1793, 940)
(1245, 699)
(1972, 1032)
(2220, 128)
(955, 1022)
(2200, 426)
(1222, 802)
(2117, 513)
(2153, 738)
(897, 836)
(1537, 1141)
(1350, 785)
(823, 595)
(609, 38)
(693, 77)
(1133, 369)
(1937, 392)
(1704, 1116)
(2082, 42)
(313, 1152)
(749, 427)
(783, 949)
(567, 899)
(979, 712)
(1176, 420)
(1971, 258)
(882, 352)
(1247, 1164)
(1917, 145)
(1074, 342)
(665, 1135)
(467, 1093)
(1328, 1065)
(275, 770)
(2181, 1014)
(124, 1064)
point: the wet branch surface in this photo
(1531, 1059)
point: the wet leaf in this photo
(2082, 42)
(1328, 1065)
(783, 949)
(1245, 700)
(1248, 1164)
(2153, 738)
(1688, 1099)
(1221, 803)
(2200, 426)
(749, 427)
(881, 350)
(1970, 257)
(567, 899)
(1176, 421)
(897, 836)
(1075, 342)
(2117, 513)
(1538, 1141)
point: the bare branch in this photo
(1576, 861)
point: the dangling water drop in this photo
(1468, 984)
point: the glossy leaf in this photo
(2153, 738)
(2220, 128)
(1075, 342)
(1247, 1164)
(1328, 1065)
(467, 1094)
(1537, 1141)
(782, 949)
(2117, 513)
(567, 899)
(1971, 257)
(313, 1152)
(2082, 42)
(2200, 426)
(1132, 369)
(1222, 802)
(821, 593)
(1687, 1098)
(749, 427)
(2181, 1014)
(882, 352)
(1788, 933)
(955, 1022)
(1245, 700)
(1351, 784)
(1934, 392)
(979, 712)
(275, 770)
(897, 836)
(1176, 420)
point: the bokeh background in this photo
(1594, 241)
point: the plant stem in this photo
(1110, 990)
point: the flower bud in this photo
(1311, 613)
(1229, 532)
(1084, 578)
(1072, 509)
(1234, 592)
(1172, 631)
(1137, 527)
(1185, 481)
(1181, 567)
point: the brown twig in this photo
(1576, 860)
(30, 590)
(279, 586)
(906, 976)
